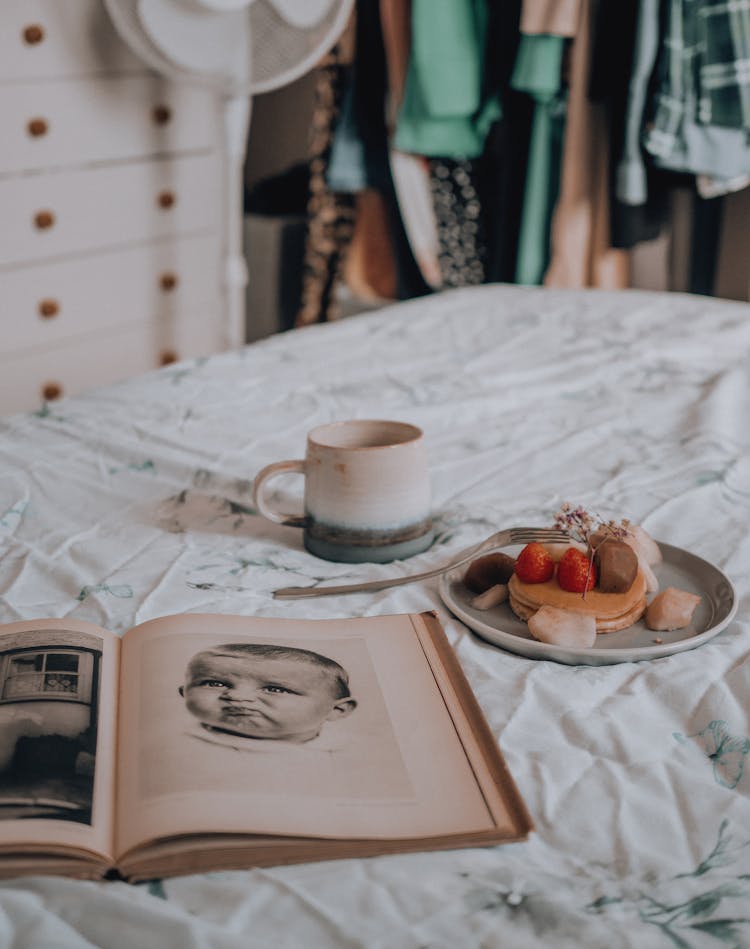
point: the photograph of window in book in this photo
(276, 715)
(48, 725)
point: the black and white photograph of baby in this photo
(48, 725)
(280, 715)
(264, 692)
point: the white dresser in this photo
(110, 208)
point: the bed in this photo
(135, 501)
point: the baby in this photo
(263, 691)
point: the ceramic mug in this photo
(367, 491)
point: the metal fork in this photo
(506, 538)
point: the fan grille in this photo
(279, 49)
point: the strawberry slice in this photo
(534, 564)
(575, 572)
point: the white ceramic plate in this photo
(679, 568)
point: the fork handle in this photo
(297, 593)
(493, 542)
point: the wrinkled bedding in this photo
(135, 501)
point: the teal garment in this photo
(347, 164)
(537, 71)
(446, 112)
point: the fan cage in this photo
(279, 48)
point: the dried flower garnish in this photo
(582, 526)
(579, 524)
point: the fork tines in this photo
(526, 535)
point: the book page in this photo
(322, 728)
(58, 682)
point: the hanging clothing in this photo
(447, 111)
(631, 183)
(370, 82)
(410, 173)
(581, 253)
(709, 187)
(609, 80)
(356, 168)
(369, 265)
(500, 172)
(412, 181)
(555, 17)
(501, 177)
(458, 211)
(395, 20)
(538, 72)
(352, 212)
(330, 215)
(349, 167)
(701, 110)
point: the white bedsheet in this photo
(135, 501)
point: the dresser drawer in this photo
(49, 125)
(50, 303)
(47, 216)
(27, 381)
(50, 39)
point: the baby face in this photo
(261, 696)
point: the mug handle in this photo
(271, 471)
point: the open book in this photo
(201, 742)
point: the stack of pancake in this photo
(612, 611)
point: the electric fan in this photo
(239, 48)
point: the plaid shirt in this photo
(703, 72)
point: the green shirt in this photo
(446, 112)
(537, 71)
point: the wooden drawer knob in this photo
(48, 308)
(167, 356)
(161, 114)
(33, 34)
(43, 220)
(166, 199)
(168, 281)
(51, 391)
(37, 127)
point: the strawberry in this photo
(534, 564)
(574, 570)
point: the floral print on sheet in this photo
(727, 752)
(708, 901)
